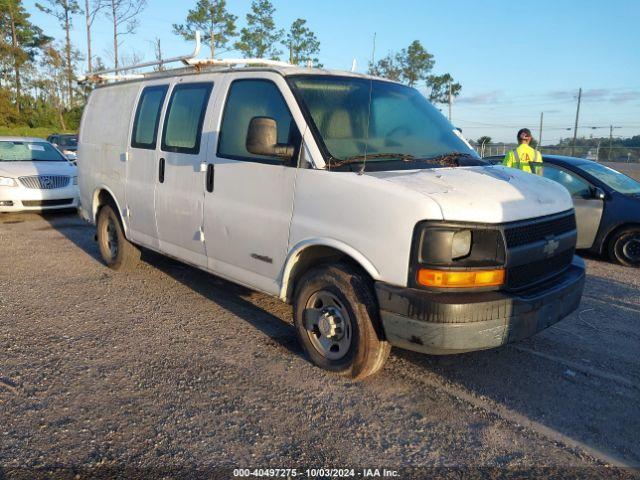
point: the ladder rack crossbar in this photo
(190, 61)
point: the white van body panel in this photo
(179, 200)
(491, 194)
(371, 216)
(247, 216)
(142, 173)
(103, 141)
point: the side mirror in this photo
(599, 193)
(262, 139)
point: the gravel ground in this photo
(170, 369)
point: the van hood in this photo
(24, 169)
(484, 194)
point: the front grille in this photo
(531, 273)
(45, 182)
(536, 231)
(47, 203)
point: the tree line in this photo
(38, 73)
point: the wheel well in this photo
(611, 235)
(313, 256)
(102, 198)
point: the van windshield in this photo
(393, 125)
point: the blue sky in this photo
(513, 59)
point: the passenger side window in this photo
(248, 99)
(577, 186)
(184, 118)
(145, 123)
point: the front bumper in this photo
(446, 323)
(21, 199)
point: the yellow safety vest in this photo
(521, 158)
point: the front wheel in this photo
(625, 247)
(336, 320)
(117, 252)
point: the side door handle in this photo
(210, 175)
(161, 171)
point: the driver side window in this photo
(254, 98)
(577, 186)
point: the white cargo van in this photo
(349, 196)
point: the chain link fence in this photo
(601, 153)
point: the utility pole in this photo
(449, 100)
(575, 128)
(610, 140)
(540, 132)
(611, 128)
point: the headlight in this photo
(451, 255)
(7, 182)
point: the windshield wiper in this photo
(451, 159)
(360, 158)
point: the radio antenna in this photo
(366, 134)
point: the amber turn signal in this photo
(460, 279)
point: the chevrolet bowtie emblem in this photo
(550, 247)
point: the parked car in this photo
(348, 196)
(66, 143)
(607, 205)
(34, 175)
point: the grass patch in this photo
(25, 131)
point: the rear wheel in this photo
(117, 252)
(336, 320)
(624, 247)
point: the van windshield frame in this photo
(361, 126)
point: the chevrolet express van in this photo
(348, 196)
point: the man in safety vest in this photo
(523, 155)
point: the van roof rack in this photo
(189, 61)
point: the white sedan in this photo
(35, 176)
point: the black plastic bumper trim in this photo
(443, 323)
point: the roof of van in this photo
(282, 70)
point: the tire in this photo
(117, 252)
(624, 247)
(335, 314)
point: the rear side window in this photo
(184, 118)
(145, 124)
(248, 99)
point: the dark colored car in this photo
(607, 205)
(65, 142)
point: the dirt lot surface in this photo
(169, 369)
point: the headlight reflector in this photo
(461, 244)
(460, 279)
(7, 182)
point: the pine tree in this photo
(439, 88)
(303, 44)
(63, 11)
(212, 18)
(260, 37)
(19, 41)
